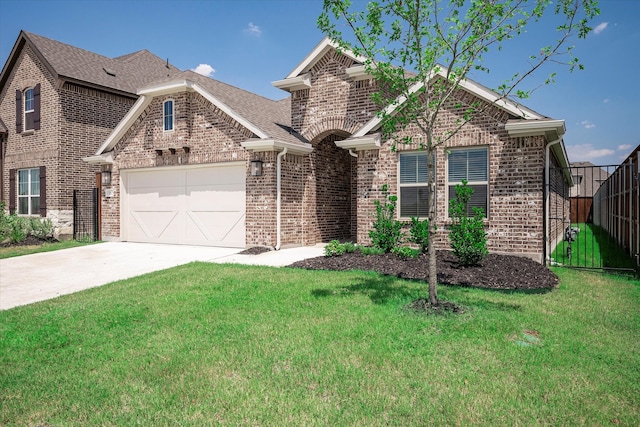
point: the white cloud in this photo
(624, 147)
(606, 101)
(600, 28)
(584, 152)
(587, 124)
(253, 30)
(204, 69)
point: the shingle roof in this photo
(272, 117)
(125, 73)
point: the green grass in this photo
(13, 251)
(593, 248)
(206, 344)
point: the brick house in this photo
(58, 103)
(196, 161)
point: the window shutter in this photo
(43, 191)
(12, 191)
(18, 111)
(36, 110)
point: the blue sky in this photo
(250, 43)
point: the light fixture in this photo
(105, 172)
(256, 167)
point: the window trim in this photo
(30, 209)
(449, 184)
(31, 111)
(411, 185)
(164, 115)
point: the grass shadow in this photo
(380, 289)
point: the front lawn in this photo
(10, 251)
(206, 344)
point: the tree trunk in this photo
(431, 183)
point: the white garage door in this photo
(189, 206)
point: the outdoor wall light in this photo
(105, 173)
(256, 167)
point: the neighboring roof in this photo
(265, 118)
(125, 73)
(587, 178)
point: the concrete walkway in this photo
(31, 278)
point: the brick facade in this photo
(75, 120)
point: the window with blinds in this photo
(472, 165)
(414, 193)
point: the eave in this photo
(367, 142)
(261, 145)
(294, 83)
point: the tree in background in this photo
(420, 51)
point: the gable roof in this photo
(124, 74)
(265, 118)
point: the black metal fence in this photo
(85, 214)
(587, 241)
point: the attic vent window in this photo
(109, 71)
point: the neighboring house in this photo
(587, 179)
(196, 161)
(58, 103)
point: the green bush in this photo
(466, 234)
(370, 250)
(405, 252)
(335, 248)
(15, 229)
(419, 233)
(387, 231)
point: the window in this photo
(472, 165)
(168, 115)
(414, 193)
(28, 109)
(29, 191)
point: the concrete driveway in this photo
(31, 278)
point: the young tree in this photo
(420, 52)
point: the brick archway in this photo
(330, 125)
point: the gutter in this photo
(279, 198)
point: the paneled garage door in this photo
(185, 205)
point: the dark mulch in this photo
(29, 241)
(503, 272)
(256, 250)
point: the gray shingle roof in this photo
(124, 73)
(272, 117)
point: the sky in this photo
(251, 43)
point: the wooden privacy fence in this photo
(616, 206)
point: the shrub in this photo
(335, 248)
(370, 250)
(387, 231)
(15, 229)
(405, 252)
(42, 228)
(467, 236)
(419, 233)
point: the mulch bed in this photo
(29, 241)
(502, 272)
(255, 250)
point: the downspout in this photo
(547, 188)
(352, 153)
(279, 197)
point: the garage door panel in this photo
(201, 206)
(216, 228)
(150, 226)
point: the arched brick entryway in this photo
(331, 190)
